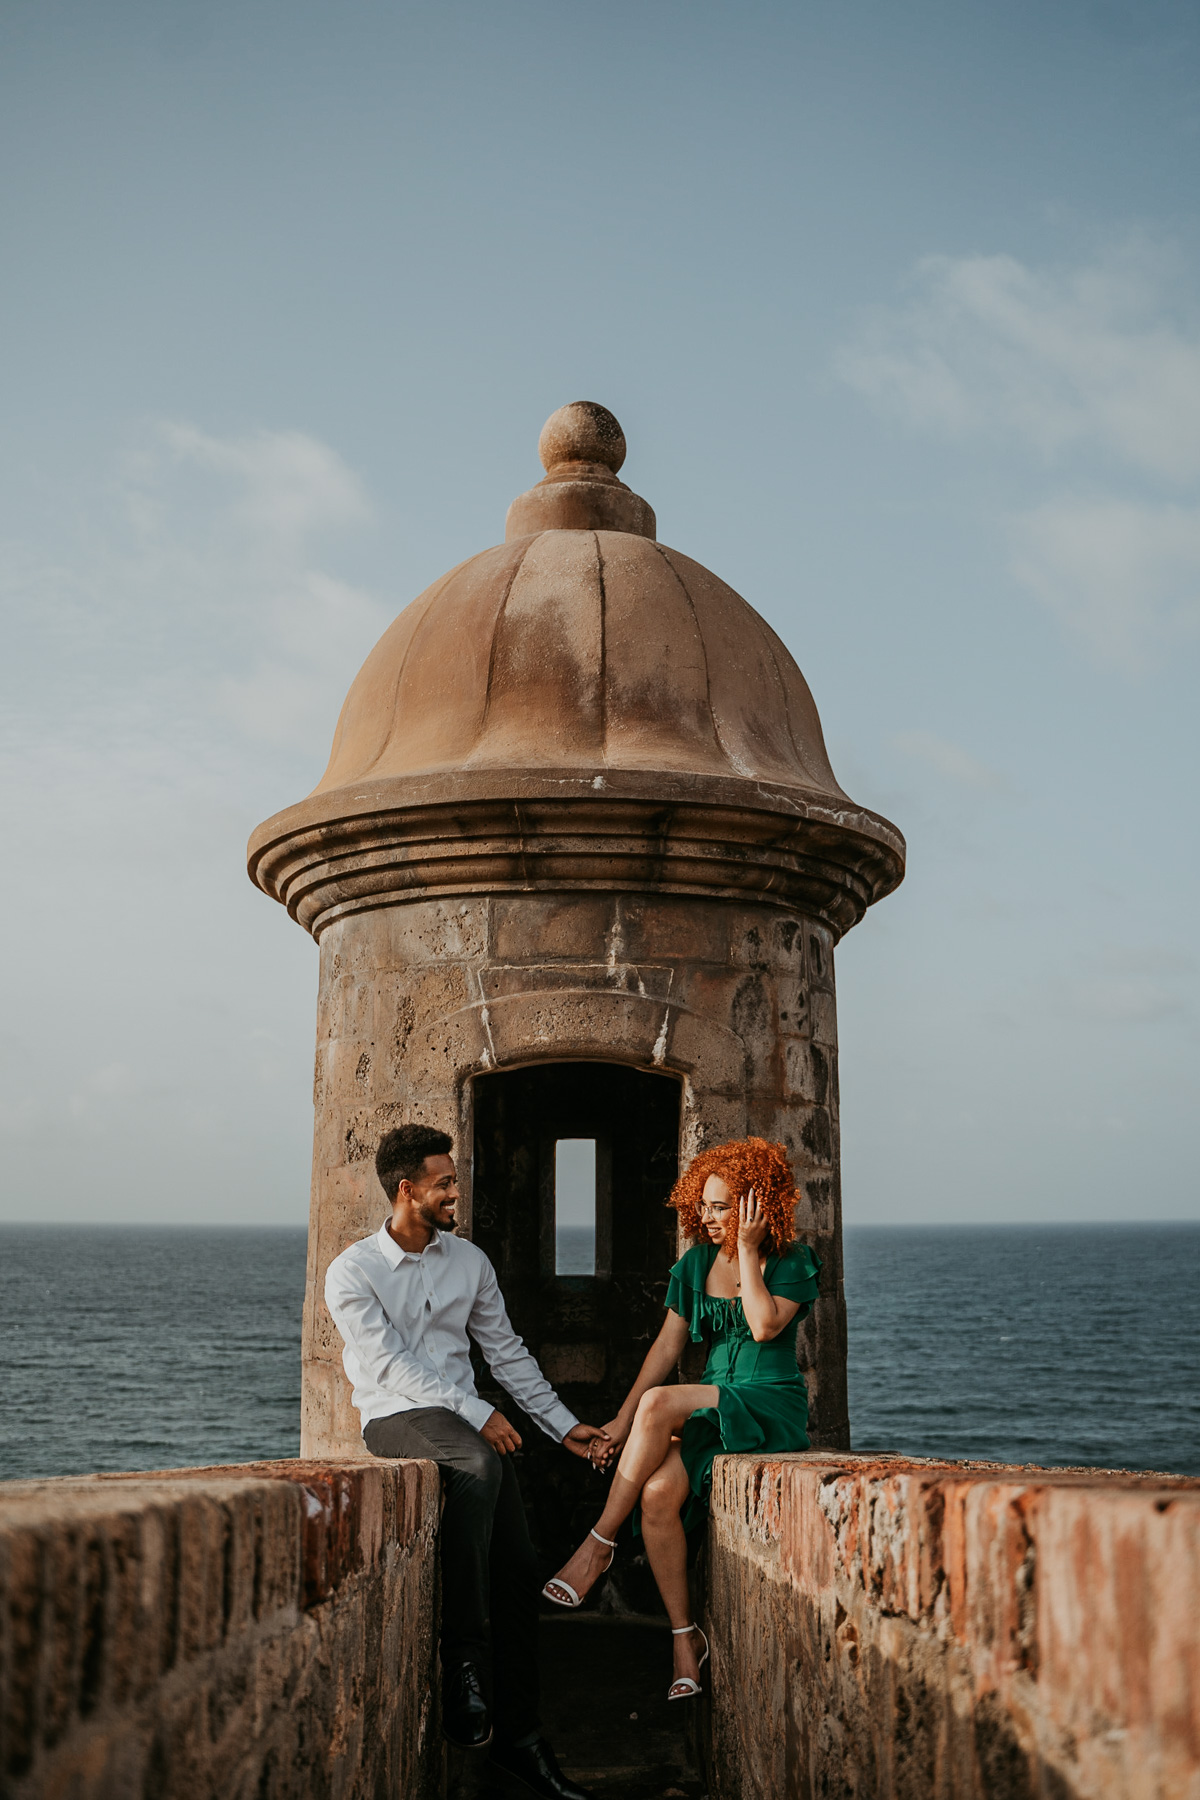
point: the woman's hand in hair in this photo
(766, 1313)
(752, 1221)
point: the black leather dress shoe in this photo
(466, 1720)
(534, 1764)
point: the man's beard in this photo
(432, 1216)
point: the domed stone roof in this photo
(580, 649)
(578, 667)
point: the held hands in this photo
(608, 1444)
(497, 1432)
(585, 1441)
(752, 1222)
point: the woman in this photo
(747, 1285)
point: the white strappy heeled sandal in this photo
(564, 1587)
(687, 1687)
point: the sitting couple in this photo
(408, 1299)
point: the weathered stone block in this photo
(952, 1631)
(823, 1018)
(807, 1071)
(711, 1053)
(818, 955)
(352, 1009)
(792, 999)
(656, 928)
(760, 939)
(428, 931)
(596, 1023)
(542, 928)
(643, 979)
(209, 1633)
(709, 1119)
(347, 1066)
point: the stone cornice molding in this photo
(460, 833)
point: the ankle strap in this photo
(678, 1630)
(611, 1542)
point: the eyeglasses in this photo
(716, 1207)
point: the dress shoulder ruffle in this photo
(794, 1275)
(685, 1290)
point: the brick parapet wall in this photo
(262, 1630)
(898, 1630)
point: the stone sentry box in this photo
(578, 865)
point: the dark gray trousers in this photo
(489, 1570)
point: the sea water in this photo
(126, 1348)
(1028, 1343)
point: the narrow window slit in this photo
(575, 1206)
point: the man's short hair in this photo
(401, 1154)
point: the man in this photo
(404, 1301)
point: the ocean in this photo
(1059, 1344)
(126, 1348)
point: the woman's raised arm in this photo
(766, 1313)
(661, 1358)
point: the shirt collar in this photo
(394, 1254)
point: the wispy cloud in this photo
(1122, 574)
(286, 486)
(233, 528)
(1087, 358)
(1092, 371)
(200, 587)
(178, 654)
(949, 759)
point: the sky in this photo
(898, 307)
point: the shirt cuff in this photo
(475, 1411)
(558, 1421)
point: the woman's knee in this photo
(662, 1495)
(655, 1404)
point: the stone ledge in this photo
(263, 1628)
(921, 1629)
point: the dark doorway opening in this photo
(573, 1164)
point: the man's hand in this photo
(497, 1432)
(614, 1434)
(580, 1438)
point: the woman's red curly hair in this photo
(744, 1164)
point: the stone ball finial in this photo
(582, 431)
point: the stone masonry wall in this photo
(259, 1632)
(416, 998)
(897, 1630)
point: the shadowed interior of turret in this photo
(589, 1331)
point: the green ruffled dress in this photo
(763, 1398)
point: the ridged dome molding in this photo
(537, 831)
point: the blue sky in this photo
(898, 308)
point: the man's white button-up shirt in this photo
(404, 1320)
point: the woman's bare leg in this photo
(661, 1413)
(663, 1497)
